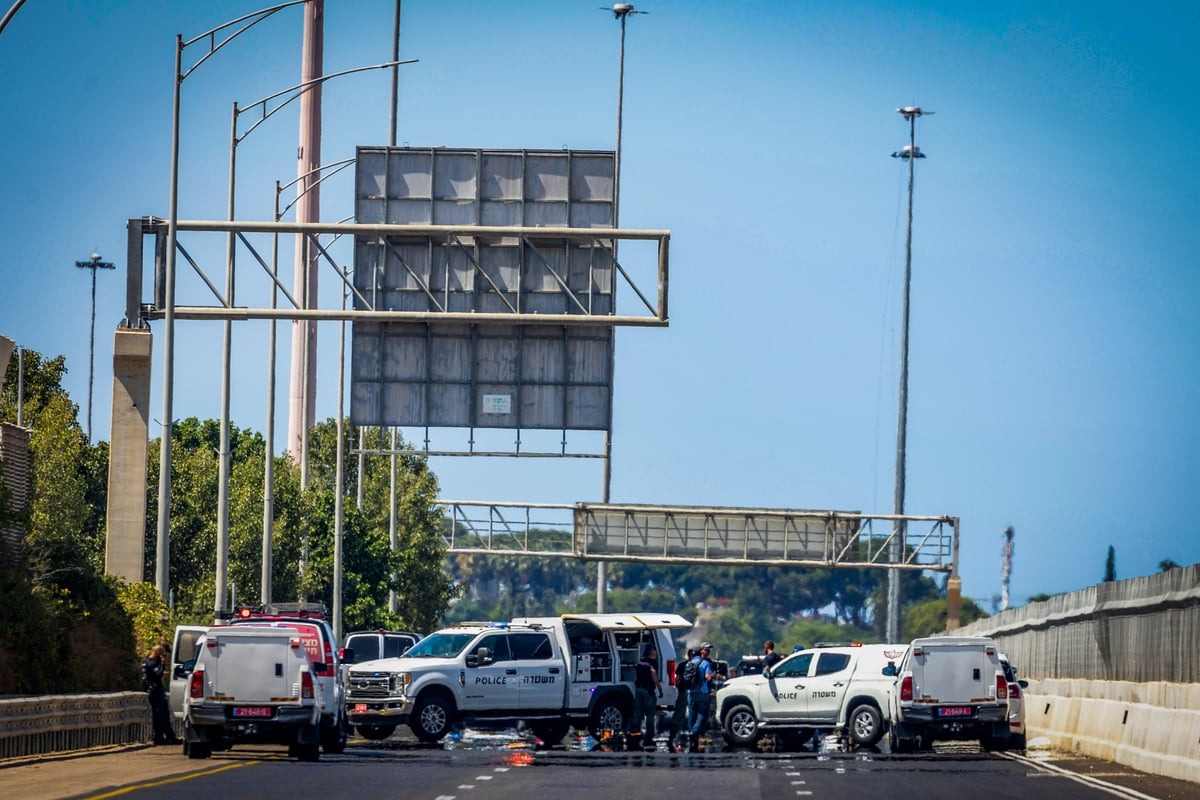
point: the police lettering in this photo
(537, 679)
(485, 679)
(824, 694)
(788, 696)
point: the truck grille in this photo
(369, 685)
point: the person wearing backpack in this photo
(699, 694)
(679, 718)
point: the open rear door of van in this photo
(183, 658)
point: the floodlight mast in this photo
(910, 152)
(620, 11)
(94, 263)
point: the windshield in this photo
(440, 645)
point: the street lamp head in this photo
(96, 257)
(908, 112)
(908, 151)
(622, 10)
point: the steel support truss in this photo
(691, 534)
(323, 235)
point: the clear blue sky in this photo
(1055, 336)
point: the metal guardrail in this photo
(31, 726)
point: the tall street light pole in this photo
(163, 540)
(910, 152)
(620, 11)
(94, 263)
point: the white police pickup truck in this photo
(549, 672)
(840, 688)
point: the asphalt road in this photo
(503, 767)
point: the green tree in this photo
(928, 618)
(80, 624)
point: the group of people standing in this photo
(696, 679)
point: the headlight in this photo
(400, 681)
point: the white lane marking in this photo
(792, 774)
(466, 786)
(501, 769)
(1111, 788)
(797, 783)
(803, 792)
(445, 797)
(483, 777)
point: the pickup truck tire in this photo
(333, 740)
(376, 733)
(197, 749)
(305, 752)
(741, 726)
(432, 718)
(609, 715)
(1016, 741)
(901, 744)
(865, 724)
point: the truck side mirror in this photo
(1024, 684)
(348, 655)
(890, 670)
(319, 666)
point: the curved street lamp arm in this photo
(8, 15)
(300, 88)
(334, 169)
(256, 17)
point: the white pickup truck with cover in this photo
(843, 688)
(315, 634)
(254, 685)
(950, 687)
(549, 672)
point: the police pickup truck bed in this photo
(252, 684)
(950, 687)
(550, 672)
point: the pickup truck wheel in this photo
(197, 749)
(866, 725)
(901, 744)
(608, 716)
(305, 752)
(376, 733)
(333, 740)
(431, 718)
(741, 726)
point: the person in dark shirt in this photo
(679, 721)
(152, 683)
(770, 657)
(647, 688)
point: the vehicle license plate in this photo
(954, 711)
(258, 712)
(360, 708)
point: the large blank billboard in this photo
(494, 375)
